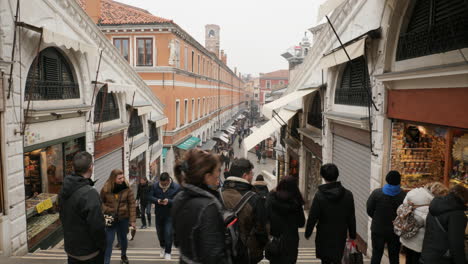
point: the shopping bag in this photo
(351, 254)
(138, 212)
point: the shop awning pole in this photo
(95, 84)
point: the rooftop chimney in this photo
(93, 9)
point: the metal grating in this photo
(136, 126)
(354, 82)
(154, 137)
(106, 108)
(314, 117)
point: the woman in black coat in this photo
(445, 229)
(285, 214)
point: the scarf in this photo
(164, 189)
(391, 190)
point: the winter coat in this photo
(261, 188)
(382, 209)
(418, 196)
(449, 210)
(81, 217)
(143, 192)
(285, 218)
(252, 218)
(333, 211)
(157, 193)
(198, 226)
(126, 207)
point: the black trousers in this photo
(99, 259)
(378, 246)
(412, 257)
(326, 261)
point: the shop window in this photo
(434, 26)
(153, 133)
(122, 45)
(106, 107)
(136, 126)
(144, 52)
(353, 85)
(314, 117)
(50, 78)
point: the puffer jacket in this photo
(450, 211)
(418, 196)
(127, 205)
(382, 209)
(198, 226)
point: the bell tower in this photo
(212, 38)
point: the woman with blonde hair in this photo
(420, 198)
(119, 208)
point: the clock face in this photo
(211, 34)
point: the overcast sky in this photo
(254, 33)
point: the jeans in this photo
(121, 228)
(378, 245)
(164, 232)
(99, 259)
(145, 209)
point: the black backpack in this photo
(235, 246)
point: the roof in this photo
(115, 13)
(276, 74)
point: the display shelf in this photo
(38, 224)
(428, 161)
(416, 175)
(418, 148)
(31, 208)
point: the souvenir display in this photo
(459, 173)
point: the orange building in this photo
(199, 91)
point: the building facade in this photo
(272, 81)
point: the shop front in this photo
(137, 168)
(313, 162)
(155, 169)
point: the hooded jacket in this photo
(261, 188)
(143, 192)
(81, 217)
(449, 210)
(157, 193)
(333, 212)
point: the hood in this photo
(283, 206)
(445, 204)
(259, 183)
(71, 183)
(237, 183)
(332, 191)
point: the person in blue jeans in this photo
(162, 194)
(142, 197)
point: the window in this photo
(153, 133)
(122, 45)
(198, 63)
(198, 108)
(282, 82)
(256, 95)
(203, 107)
(435, 26)
(186, 111)
(177, 54)
(186, 59)
(203, 67)
(268, 84)
(211, 34)
(354, 81)
(314, 117)
(145, 52)
(193, 59)
(105, 108)
(295, 122)
(50, 78)
(193, 109)
(177, 114)
(136, 126)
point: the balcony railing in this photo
(46, 90)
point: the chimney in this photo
(235, 70)
(93, 9)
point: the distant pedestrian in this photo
(444, 240)
(145, 206)
(240, 141)
(231, 153)
(197, 213)
(259, 155)
(81, 214)
(285, 214)
(382, 207)
(118, 201)
(264, 156)
(162, 194)
(261, 186)
(333, 212)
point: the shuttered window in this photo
(353, 85)
(295, 124)
(314, 117)
(435, 26)
(50, 78)
(154, 137)
(106, 107)
(136, 126)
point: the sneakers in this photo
(124, 260)
(167, 256)
(143, 227)
(162, 253)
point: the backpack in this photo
(234, 244)
(405, 224)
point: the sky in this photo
(254, 33)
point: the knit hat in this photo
(393, 178)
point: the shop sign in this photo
(44, 205)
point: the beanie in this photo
(393, 178)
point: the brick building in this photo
(272, 81)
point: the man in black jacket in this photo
(252, 218)
(81, 214)
(381, 207)
(333, 211)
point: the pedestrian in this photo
(259, 155)
(231, 153)
(145, 206)
(118, 201)
(162, 194)
(444, 240)
(261, 186)
(264, 156)
(197, 212)
(382, 207)
(285, 214)
(81, 215)
(252, 217)
(420, 198)
(240, 141)
(227, 161)
(333, 212)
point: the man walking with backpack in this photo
(251, 217)
(382, 207)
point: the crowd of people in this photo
(243, 221)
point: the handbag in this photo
(111, 219)
(351, 254)
(273, 248)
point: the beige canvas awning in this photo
(51, 37)
(268, 109)
(355, 50)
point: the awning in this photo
(220, 134)
(51, 37)
(142, 106)
(224, 139)
(164, 152)
(355, 50)
(189, 143)
(120, 88)
(268, 108)
(159, 119)
(209, 145)
(267, 129)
